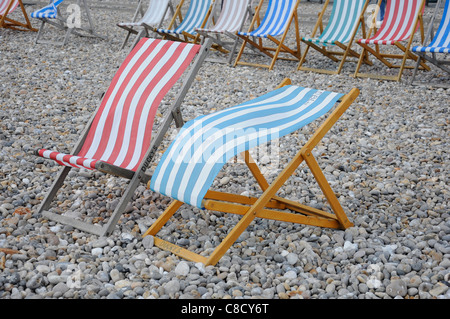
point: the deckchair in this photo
(402, 19)
(154, 16)
(51, 14)
(196, 17)
(347, 17)
(440, 43)
(204, 145)
(232, 17)
(278, 18)
(118, 139)
(7, 7)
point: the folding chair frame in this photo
(280, 46)
(432, 58)
(61, 24)
(145, 27)
(407, 54)
(223, 46)
(186, 37)
(346, 52)
(136, 178)
(262, 207)
(9, 23)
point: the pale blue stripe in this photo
(195, 15)
(275, 20)
(255, 123)
(49, 11)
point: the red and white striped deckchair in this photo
(7, 7)
(118, 140)
(401, 21)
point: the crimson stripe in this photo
(131, 94)
(157, 101)
(94, 126)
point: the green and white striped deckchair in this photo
(346, 18)
(204, 145)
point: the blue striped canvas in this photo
(342, 23)
(48, 12)
(204, 145)
(441, 40)
(275, 20)
(194, 18)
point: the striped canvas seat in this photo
(345, 17)
(195, 17)
(270, 36)
(398, 22)
(441, 40)
(276, 19)
(336, 40)
(152, 18)
(121, 131)
(154, 15)
(4, 4)
(231, 17)
(204, 145)
(185, 173)
(440, 43)
(118, 140)
(9, 6)
(48, 12)
(401, 21)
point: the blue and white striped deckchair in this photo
(347, 16)
(439, 44)
(204, 145)
(278, 18)
(51, 14)
(50, 11)
(154, 17)
(196, 16)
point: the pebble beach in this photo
(386, 159)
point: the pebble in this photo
(386, 159)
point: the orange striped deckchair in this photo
(7, 7)
(401, 21)
(118, 140)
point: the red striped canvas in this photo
(398, 22)
(4, 6)
(120, 133)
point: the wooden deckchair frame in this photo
(407, 54)
(186, 37)
(432, 56)
(346, 52)
(60, 23)
(262, 207)
(9, 23)
(272, 52)
(136, 178)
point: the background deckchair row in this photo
(194, 20)
(345, 31)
